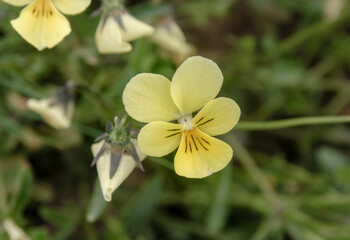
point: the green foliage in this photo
(280, 59)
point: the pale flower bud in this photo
(126, 166)
(169, 36)
(116, 29)
(54, 115)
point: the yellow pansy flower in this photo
(153, 99)
(116, 29)
(41, 22)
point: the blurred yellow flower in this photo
(125, 167)
(116, 29)
(169, 37)
(332, 9)
(153, 99)
(41, 23)
(55, 115)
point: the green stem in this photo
(3, 196)
(293, 122)
(258, 177)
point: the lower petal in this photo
(200, 155)
(41, 24)
(159, 138)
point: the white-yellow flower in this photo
(41, 22)
(332, 9)
(169, 36)
(14, 231)
(116, 29)
(55, 115)
(126, 166)
(153, 99)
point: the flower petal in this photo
(197, 81)
(17, 3)
(41, 24)
(55, 115)
(200, 155)
(217, 117)
(127, 164)
(147, 98)
(71, 7)
(133, 28)
(159, 138)
(108, 37)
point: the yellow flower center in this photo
(186, 120)
(42, 8)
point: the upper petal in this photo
(54, 115)
(41, 24)
(133, 28)
(159, 138)
(71, 7)
(17, 2)
(127, 164)
(197, 81)
(200, 155)
(147, 98)
(108, 37)
(217, 117)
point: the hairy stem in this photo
(293, 122)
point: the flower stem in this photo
(253, 170)
(3, 197)
(293, 122)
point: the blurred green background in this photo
(280, 59)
